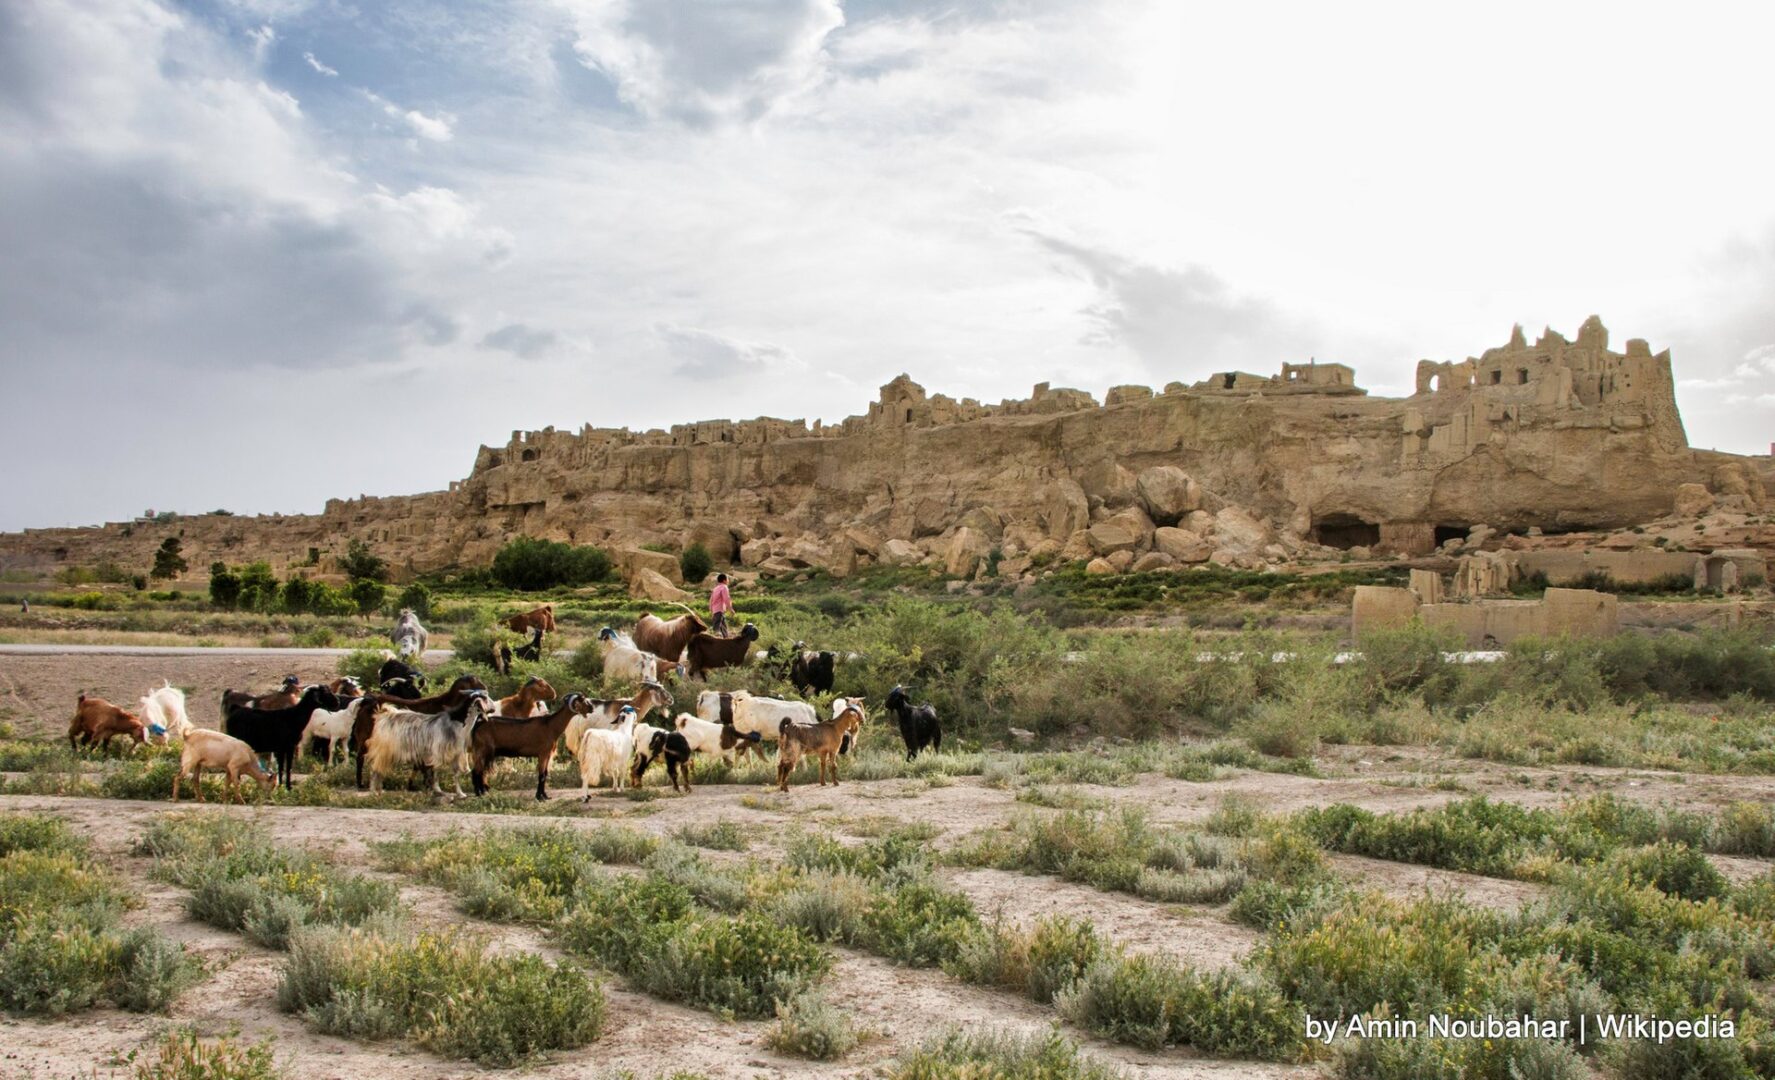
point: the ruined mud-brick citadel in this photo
(1525, 443)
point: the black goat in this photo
(405, 689)
(278, 732)
(531, 651)
(810, 670)
(393, 670)
(918, 723)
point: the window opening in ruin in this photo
(1445, 533)
(1522, 376)
(528, 455)
(1345, 531)
(1227, 380)
(1497, 377)
(909, 416)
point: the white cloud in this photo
(701, 354)
(316, 64)
(522, 341)
(705, 61)
(263, 38)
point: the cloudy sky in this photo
(254, 253)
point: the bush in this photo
(417, 599)
(918, 923)
(368, 594)
(1152, 1003)
(360, 563)
(1038, 962)
(808, 1027)
(695, 564)
(181, 1055)
(963, 1056)
(529, 564)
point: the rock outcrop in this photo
(1237, 469)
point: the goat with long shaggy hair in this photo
(364, 725)
(428, 740)
(666, 638)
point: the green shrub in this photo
(181, 1055)
(695, 564)
(808, 1027)
(1038, 962)
(740, 967)
(979, 1056)
(918, 923)
(441, 989)
(529, 564)
(417, 599)
(1676, 869)
(1152, 1003)
(150, 972)
(723, 835)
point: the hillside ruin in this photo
(1541, 438)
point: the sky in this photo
(259, 253)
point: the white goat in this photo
(429, 740)
(335, 727)
(606, 713)
(606, 752)
(409, 636)
(624, 660)
(163, 711)
(715, 740)
(750, 714)
(213, 750)
(839, 704)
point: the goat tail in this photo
(783, 728)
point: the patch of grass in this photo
(525, 873)
(241, 881)
(1039, 961)
(443, 990)
(809, 1027)
(1061, 798)
(723, 835)
(1152, 1002)
(977, 1056)
(182, 1055)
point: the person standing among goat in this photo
(720, 605)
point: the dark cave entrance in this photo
(1345, 531)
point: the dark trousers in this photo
(720, 625)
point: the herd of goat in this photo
(397, 727)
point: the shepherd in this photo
(720, 605)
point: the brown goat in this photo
(97, 721)
(539, 618)
(666, 638)
(524, 736)
(825, 740)
(706, 652)
(212, 749)
(521, 704)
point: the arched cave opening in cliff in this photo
(528, 455)
(1445, 533)
(1345, 531)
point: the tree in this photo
(527, 563)
(224, 587)
(695, 563)
(258, 587)
(360, 563)
(369, 595)
(168, 563)
(417, 599)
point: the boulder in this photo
(1099, 566)
(900, 553)
(650, 584)
(1236, 529)
(984, 520)
(777, 566)
(1121, 560)
(1013, 567)
(1107, 537)
(632, 561)
(1182, 545)
(966, 548)
(1692, 500)
(1153, 560)
(716, 539)
(1077, 546)
(1200, 522)
(754, 552)
(1223, 557)
(1044, 551)
(1168, 493)
(1135, 520)
(1109, 482)
(1065, 509)
(862, 540)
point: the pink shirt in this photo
(719, 599)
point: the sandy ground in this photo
(902, 1007)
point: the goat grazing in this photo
(918, 723)
(335, 725)
(395, 671)
(408, 635)
(810, 670)
(667, 637)
(428, 740)
(163, 711)
(206, 749)
(278, 732)
(365, 724)
(716, 740)
(531, 737)
(653, 744)
(624, 661)
(531, 650)
(96, 722)
(824, 740)
(706, 652)
(606, 713)
(752, 715)
(528, 701)
(537, 618)
(606, 752)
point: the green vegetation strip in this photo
(61, 946)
